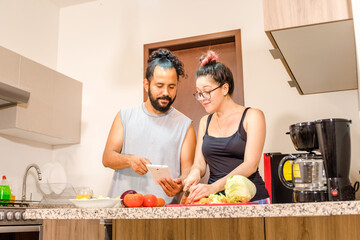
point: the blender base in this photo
(310, 196)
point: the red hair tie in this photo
(204, 61)
(210, 57)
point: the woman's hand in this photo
(199, 191)
(192, 179)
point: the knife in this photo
(187, 193)
(185, 196)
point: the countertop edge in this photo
(239, 211)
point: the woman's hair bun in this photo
(210, 57)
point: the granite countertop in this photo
(232, 211)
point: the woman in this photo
(230, 138)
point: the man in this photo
(152, 133)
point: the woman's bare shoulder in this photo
(255, 113)
(254, 118)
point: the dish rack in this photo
(57, 194)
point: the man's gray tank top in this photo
(157, 137)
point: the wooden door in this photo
(188, 50)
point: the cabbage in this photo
(239, 189)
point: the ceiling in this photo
(67, 3)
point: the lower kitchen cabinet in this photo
(73, 230)
(190, 229)
(225, 228)
(133, 229)
(303, 228)
(260, 228)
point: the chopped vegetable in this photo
(212, 199)
(203, 200)
(239, 189)
(218, 198)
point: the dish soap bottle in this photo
(5, 192)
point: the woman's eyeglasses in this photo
(205, 95)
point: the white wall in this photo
(101, 44)
(30, 28)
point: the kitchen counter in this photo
(233, 211)
(326, 220)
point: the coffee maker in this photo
(335, 146)
(321, 174)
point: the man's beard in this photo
(156, 102)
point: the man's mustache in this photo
(165, 98)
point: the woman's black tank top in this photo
(224, 154)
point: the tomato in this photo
(124, 194)
(160, 202)
(133, 200)
(150, 200)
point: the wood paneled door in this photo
(226, 44)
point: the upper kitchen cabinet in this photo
(52, 114)
(315, 41)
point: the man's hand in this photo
(171, 187)
(138, 164)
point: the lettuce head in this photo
(239, 189)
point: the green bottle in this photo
(5, 192)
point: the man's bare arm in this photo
(112, 156)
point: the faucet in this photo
(25, 176)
